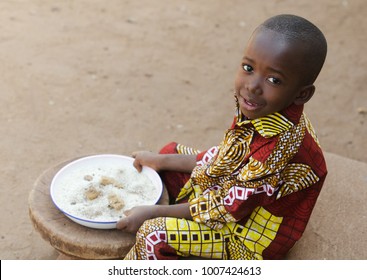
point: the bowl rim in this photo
(84, 158)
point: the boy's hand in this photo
(159, 162)
(135, 217)
(146, 158)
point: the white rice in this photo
(137, 189)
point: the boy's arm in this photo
(159, 162)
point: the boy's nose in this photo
(254, 86)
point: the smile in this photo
(250, 104)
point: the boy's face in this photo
(270, 76)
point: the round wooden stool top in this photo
(68, 237)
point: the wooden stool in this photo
(69, 238)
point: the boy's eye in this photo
(274, 81)
(247, 68)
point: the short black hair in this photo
(298, 29)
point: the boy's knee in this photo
(149, 227)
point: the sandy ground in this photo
(88, 76)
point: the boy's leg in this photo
(172, 238)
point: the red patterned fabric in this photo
(292, 205)
(173, 181)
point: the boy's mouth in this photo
(250, 104)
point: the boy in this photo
(250, 197)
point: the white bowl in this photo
(70, 179)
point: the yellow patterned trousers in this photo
(172, 238)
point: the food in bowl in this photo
(95, 191)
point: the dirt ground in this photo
(88, 77)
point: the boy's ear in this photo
(304, 95)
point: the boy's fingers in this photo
(124, 222)
(121, 224)
(135, 153)
(137, 165)
(136, 162)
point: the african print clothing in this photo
(250, 197)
